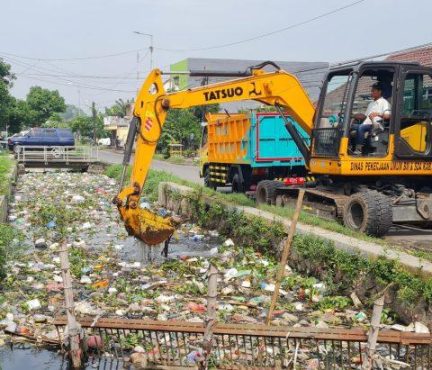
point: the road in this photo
(186, 172)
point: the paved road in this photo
(186, 172)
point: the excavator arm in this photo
(278, 88)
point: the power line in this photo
(74, 58)
(295, 25)
(80, 85)
(289, 27)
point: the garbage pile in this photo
(109, 283)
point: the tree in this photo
(182, 126)
(71, 112)
(56, 121)
(120, 108)
(43, 103)
(201, 110)
(19, 115)
(88, 126)
(6, 100)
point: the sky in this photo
(87, 50)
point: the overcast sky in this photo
(63, 29)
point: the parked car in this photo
(106, 141)
(42, 136)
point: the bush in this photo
(5, 167)
(8, 238)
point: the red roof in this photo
(422, 56)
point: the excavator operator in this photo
(379, 109)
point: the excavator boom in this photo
(278, 88)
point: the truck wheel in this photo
(369, 212)
(237, 185)
(207, 182)
(266, 191)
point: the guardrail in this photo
(56, 156)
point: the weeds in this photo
(5, 167)
(10, 240)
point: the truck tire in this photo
(207, 182)
(266, 191)
(237, 185)
(369, 212)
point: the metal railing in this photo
(241, 346)
(56, 154)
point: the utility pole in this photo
(79, 102)
(94, 116)
(138, 76)
(151, 48)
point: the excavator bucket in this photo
(147, 226)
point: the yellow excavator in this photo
(386, 183)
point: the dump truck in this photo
(387, 183)
(239, 150)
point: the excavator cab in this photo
(404, 133)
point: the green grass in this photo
(155, 177)
(5, 168)
(314, 220)
(176, 159)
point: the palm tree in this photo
(120, 108)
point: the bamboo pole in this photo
(285, 255)
(73, 326)
(373, 333)
(211, 313)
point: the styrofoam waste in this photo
(85, 279)
(77, 199)
(228, 243)
(86, 226)
(421, 328)
(34, 304)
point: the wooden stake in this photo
(373, 333)
(211, 313)
(73, 326)
(285, 255)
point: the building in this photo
(118, 128)
(422, 55)
(310, 74)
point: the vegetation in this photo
(39, 105)
(8, 235)
(87, 126)
(327, 224)
(120, 108)
(43, 104)
(9, 241)
(5, 167)
(175, 159)
(184, 126)
(155, 177)
(341, 271)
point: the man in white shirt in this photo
(378, 110)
